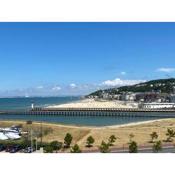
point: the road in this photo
(147, 149)
(168, 149)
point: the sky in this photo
(56, 59)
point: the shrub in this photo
(157, 146)
(56, 145)
(68, 140)
(48, 149)
(170, 134)
(75, 149)
(90, 141)
(133, 147)
(104, 147)
(112, 140)
(153, 136)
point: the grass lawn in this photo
(141, 132)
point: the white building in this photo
(158, 105)
(117, 96)
(128, 97)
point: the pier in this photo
(93, 112)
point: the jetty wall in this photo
(94, 112)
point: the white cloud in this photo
(119, 82)
(71, 89)
(73, 85)
(167, 70)
(123, 73)
(56, 88)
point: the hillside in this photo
(160, 85)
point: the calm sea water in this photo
(25, 103)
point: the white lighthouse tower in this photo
(32, 106)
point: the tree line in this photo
(104, 147)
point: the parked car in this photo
(2, 147)
(8, 148)
(15, 149)
(29, 150)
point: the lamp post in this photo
(31, 139)
(41, 130)
(31, 132)
(36, 142)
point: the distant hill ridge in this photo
(162, 85)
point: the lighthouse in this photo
(32, 106)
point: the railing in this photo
(105, 109)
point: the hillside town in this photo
(154, 99)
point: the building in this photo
(128, 97)
(116, 97)
(158, 105)
(172, 98)
(147, 97)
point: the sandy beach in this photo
(141, 131)
(92, 103)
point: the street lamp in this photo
(36, 142)
(31, 132)
(41, 131)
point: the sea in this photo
(25, 103)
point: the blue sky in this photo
(77, 58)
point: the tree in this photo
(68, 140)
(75, 149)
(170, 134)
(133, 148)
(157, 146)
(154, 136)
(112, 140)
(90, 141)
(104, 147)
(56, 145)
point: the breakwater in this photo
(93, 112)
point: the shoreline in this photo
(138, 123)
(92, 127)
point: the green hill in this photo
(160, 85)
